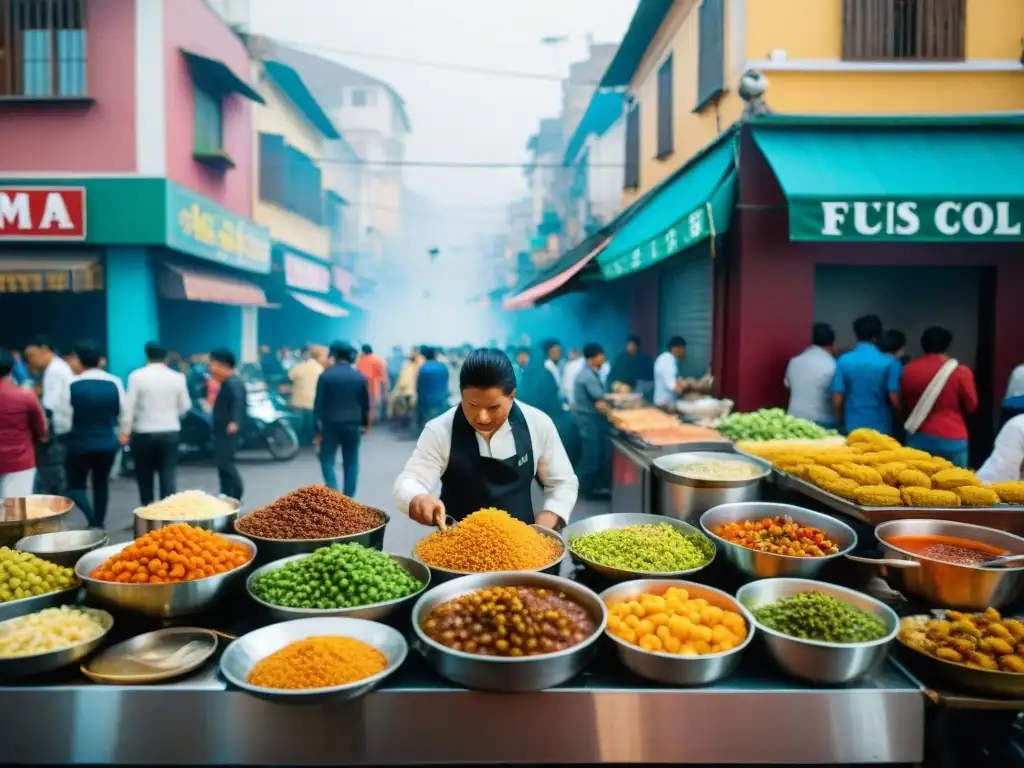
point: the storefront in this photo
(917, 220)
(124, 261)
(307, 308)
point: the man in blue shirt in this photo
(866, 385)
(431, 386)
(341, 412)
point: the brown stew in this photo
(947, 549)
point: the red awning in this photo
(527, 298)
(191, 285)
(318, 305)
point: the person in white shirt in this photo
(572, 369)
(668, 385)
(156, 400)
(55, 383)
(809, 378)
(1006, 464)
(486, 452)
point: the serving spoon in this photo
(1002, 560)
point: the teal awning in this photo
(215, 75)
(913, 183)
(691, 207)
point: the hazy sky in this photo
(457, 116)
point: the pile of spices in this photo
(172, 554)
(312, 512)
(780, 536)
(488, 540)
(645, 548)
(318, 662)
(510, 621)
(338, 576)
(817, 616)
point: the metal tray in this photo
(14, 608)
(1005, 517)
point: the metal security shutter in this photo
(684, 308)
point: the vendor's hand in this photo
(232, 428)
(427, 510)
(548, 520)
(124, 439)
(317, 439)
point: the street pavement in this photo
(382, 457)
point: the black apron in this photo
(471, 481)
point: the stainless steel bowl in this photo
(686, 498)
(243, 654)
(278, 549)
(766, 565)
(441, 575)
(221, 523)
(668, 668)
(371, 612)
(13, 608)
(63, 547)
(600, 523)
(499, 673)
(812, 660)
(22, 516)
(945, 585)
(159, 600)
(42, 663)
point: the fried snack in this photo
(890, 472)
(929, 466)
(976, 496)
(983, 641)
(877, 458)
(844, 487)
(872, 438)
(836, 456)
(862, 474)
(913, 478)
(878, 496)
(911, 454)
(1010, 493)
(927, 497)
(820, 475)
(948, 479)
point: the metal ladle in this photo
(1002, 560)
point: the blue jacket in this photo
(342, 397)
(95, 400)
(432, 385)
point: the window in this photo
(42, 49)
(665, 109)
(360, 98)
(930, 30)
(272, 168)
(209, 135)
(711, 54)
(632, 147)
(290, 179)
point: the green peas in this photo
(22, 575)
(645, 548)
(817, 616)
(770, 424)
(336, 576)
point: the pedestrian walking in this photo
(373, 367)
(94, 399)
(809, 378)
(304, 377)
(55, 377)
(589, 411)
(156, 399)
(22, 426)
(228, 419)
(342, 415)
(432, 391)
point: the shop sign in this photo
(198, 226)
(693, 227)
(910, 220)
(42, 213)
(53, 281)
(306, 275)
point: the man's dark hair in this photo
(88, 353)
(936, 340)
(429, 353)
(367, 349)
(549, 344)
(633, 339)
(892, 341)
(43, 342)
(592, 350)
(342, 351)
(424, 348)
(6, 363)
(486, 368)
(156, 352)
(223, 356)
(867, 328)
(676, 341)
(822, 335)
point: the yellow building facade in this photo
(804, 48)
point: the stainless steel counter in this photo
(602, 716)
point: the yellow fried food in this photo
(1010, 493)
(1012, 663)
(843, 487)
(890, 471)
(878, 496)
(913, 478)
(875, 439)
(820, 475)
(878, 458)
(948, 479)
(911, 454)
(862, 474)
(976, 496)
(835, 456)
(977, 640)
(929, 466)
(928, 497)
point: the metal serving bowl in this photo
(600, 523)
(441, 575)
(685, 498)
(41, 663)
(243, 654)
(371, 612)
(500, 673)
(668, 668)
(22, 516)
(945, 585)
(158, 600)
(220, 523)
(813, 660)
(13, 608)
(764, 565)
(62, 547)
(278, 549)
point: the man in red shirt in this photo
(943, 432)
(375, 370)
(22, 425)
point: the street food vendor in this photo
(486, 452)
(669, 386)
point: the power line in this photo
(456, 164)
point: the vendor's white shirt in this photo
(552, 367)
(1015, 387)
(572, 370)
(57, 394)
(422, 473)
(666, 373)
(1006, 464)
